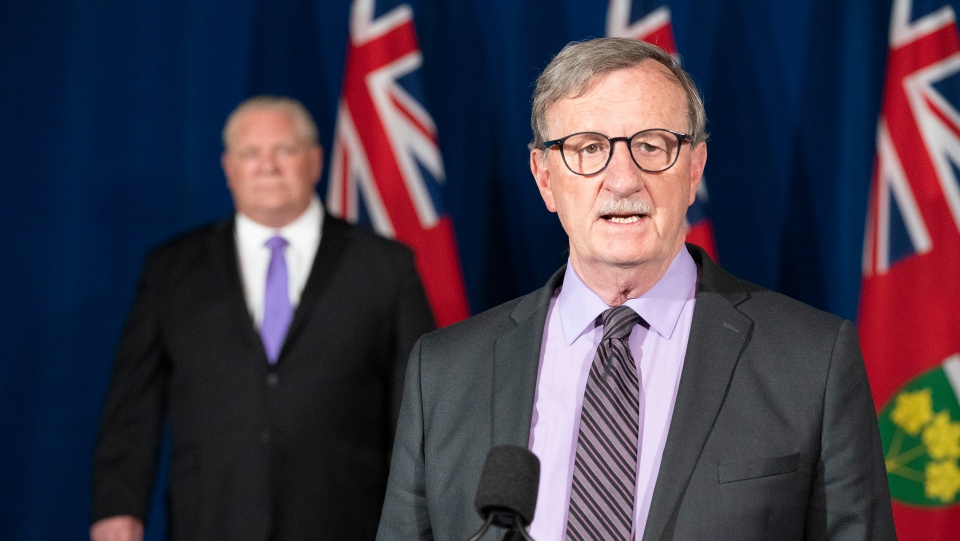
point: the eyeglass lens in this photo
(652, 150)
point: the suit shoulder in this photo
(368, 242)
(771, 305)
(761, 304)
(187, 249)
(523, 310)
(802, 336)
(478, 330)
(787, 338)
(191, 239)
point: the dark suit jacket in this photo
(295, 451)
(773, 436)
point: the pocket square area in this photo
(758, 467)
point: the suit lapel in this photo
(223, 247)
(334, 240)
(515, 366)
(718, 334)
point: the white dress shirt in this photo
(303, 238)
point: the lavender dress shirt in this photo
(570, 340)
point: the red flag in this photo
(909, 321)
(655, 28)
(386, 165)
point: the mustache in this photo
(622, 207)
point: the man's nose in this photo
(268, 161)
(623, 176)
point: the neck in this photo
(274, 222)
(617, 284)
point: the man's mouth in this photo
(623, 211)
(627, 219)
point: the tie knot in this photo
(276, 244)
(618, 322)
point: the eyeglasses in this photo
(588, 153)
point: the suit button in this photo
(273, 379)
(265, 437)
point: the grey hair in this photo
(302, 119)
(571, 73)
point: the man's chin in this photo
(620, 261)
(635, 257)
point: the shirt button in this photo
(265, 437)
(273, 379)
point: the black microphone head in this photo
(509, 482)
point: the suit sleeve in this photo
(124, 462)
(850, 499)
(413, 319)
(405, 514)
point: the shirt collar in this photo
(301, 233)
(660, 307)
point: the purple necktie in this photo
(277, 311)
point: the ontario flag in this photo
(386, 168)
(909, 318)
(650, 21)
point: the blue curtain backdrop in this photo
(111, 112)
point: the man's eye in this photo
(591, 149)
(647, 148)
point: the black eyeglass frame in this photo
(681, 137)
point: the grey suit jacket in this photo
(773, 436)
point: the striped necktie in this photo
(605, 470)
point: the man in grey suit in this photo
(274, 343)
(664, 397)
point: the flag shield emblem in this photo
(920, 432)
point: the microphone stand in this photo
(504, 520)
(483, 530)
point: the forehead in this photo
(623, 102)
(257, 124)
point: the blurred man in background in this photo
(274, 344)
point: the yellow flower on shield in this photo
(943, 480)
(942, 437)
(913, 411)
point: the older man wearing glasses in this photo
(664, 397)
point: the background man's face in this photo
(271, 170)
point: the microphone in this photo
(507, 493)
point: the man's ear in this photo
(541, 174)
(698, 160)
(317, 159)
(227, 167)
